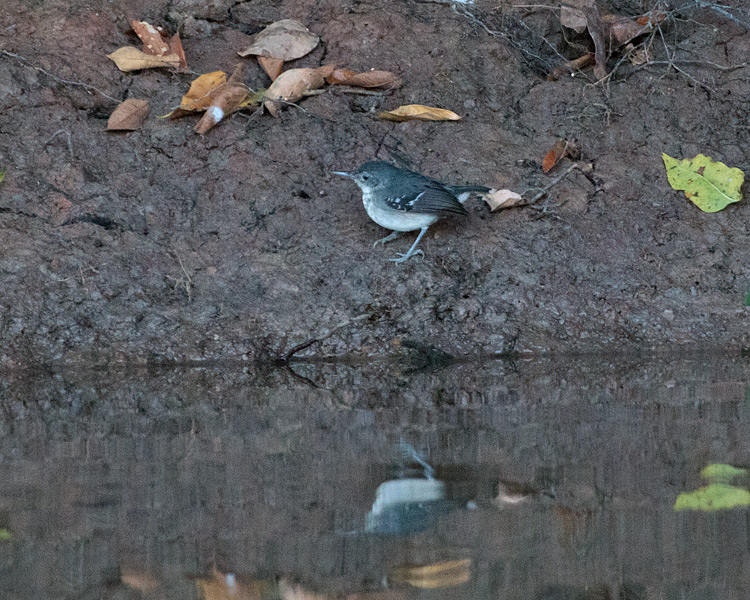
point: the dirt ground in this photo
(162, 244)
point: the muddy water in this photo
(503, 480)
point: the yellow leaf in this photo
(419, 112)
(197, 97)
(710, 185)
(128, 58)
(436, 575)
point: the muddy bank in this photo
(161, 244)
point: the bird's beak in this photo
(342, 173)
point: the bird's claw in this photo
(404, 257)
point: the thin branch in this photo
(85, 86)
(285, 358)
(54, 135)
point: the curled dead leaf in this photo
(368, 79)
(571, 67)
(287, 39)
(227, 100)
(175, 47)
(290, 86)
(338, 76)
(497, 199)
(419, 112)
(128, 116)
(559, 150)
(128, 58)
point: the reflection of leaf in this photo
(297, 591)
(142, 581)
(128, 58)
(128, 116)
(227, 586)
(287, 39)
(717, 496)
(719, 472)
(419, 112)
(436, 575)
(5, 535)
(290, 86)
(2, 175)
(710, 185)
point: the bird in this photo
(403, 200)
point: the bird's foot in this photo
(404, 257)
(386, 239)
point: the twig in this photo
(70, 143)
(546, 188)
(186, 281)
(85, 86)
(285, 358)
(723, 12)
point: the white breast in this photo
(396, 220)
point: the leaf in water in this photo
(419, 112)
(128, 116)
(720, 472)
(433, 576)
(287, 39)
(128, 58)
(717, 496)
(710, 185)
(290, 86)
(497, 199)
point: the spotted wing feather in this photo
(434, 199)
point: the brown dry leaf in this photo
(338, 76)
(372, 79)
(419, 112)
(272, 66)
(175, 47)
(287, 39)
(651, 18)
(290, 86)
(128, 116)
(128, 58)
(152, 38)
(620, 30)
(201, 93)
(497, 199)
(572, 18)
(559, 150)
(227, 100)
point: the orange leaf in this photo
(419, 112)
(559, 150)
(272, 66)
(290, 86)
(201, 93)
(128, 116)
(153, 41)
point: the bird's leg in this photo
(403, 257)
(386, 239)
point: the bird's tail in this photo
(462, 192)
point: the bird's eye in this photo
(365, 177)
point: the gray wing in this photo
(435, 199)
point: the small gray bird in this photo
(402, 200)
